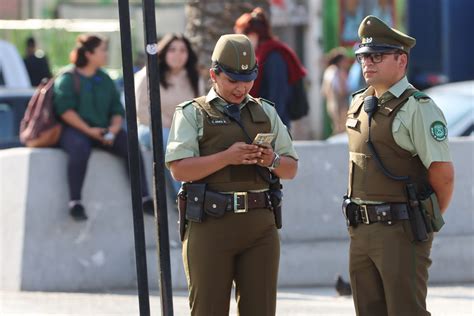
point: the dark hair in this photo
(190, 66)
(255, 22)
(30, 42)
(84, 43)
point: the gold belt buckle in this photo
(364, 214)
(237, 207)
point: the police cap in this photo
(235, 56)
(378, 37)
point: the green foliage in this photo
(56, 44)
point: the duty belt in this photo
(387, 213)
(238, 202)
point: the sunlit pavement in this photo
(442, 300)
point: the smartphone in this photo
(264, 139)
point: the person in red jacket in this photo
(278, 66)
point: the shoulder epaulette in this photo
(267, 101)
(421, 96)
(185, 104)
(359, 91)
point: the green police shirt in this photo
(187, 129)
(418, 127)
(97, 102)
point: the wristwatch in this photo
(276, 162)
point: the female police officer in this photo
(231, 234)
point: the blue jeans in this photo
(144, 137)
(78, 147)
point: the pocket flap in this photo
(215, 203)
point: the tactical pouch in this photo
(432, 211)
(195, 193)
(215, 204)
(276, 196)
(181, 201)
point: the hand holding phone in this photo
(264, 139)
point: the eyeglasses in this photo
(374, 57)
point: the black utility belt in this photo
(201, 202)
(386, 213)
(237, 202)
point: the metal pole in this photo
(134, 158)
(161, 213)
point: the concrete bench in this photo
(42, 248)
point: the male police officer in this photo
(400, 178)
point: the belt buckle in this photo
(237, 207)
(364, 214)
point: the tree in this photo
(209, 19)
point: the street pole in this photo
(161, 213)
(134, 158)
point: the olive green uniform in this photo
(241, 248)
(388, 268)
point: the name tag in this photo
(352, 122)
(218, 121)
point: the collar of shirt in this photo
(213, 98)
(395, 91)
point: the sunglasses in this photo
(374, 57)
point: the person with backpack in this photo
(280, 72)
(91, 118)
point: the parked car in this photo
(456, 100)
(15, 92)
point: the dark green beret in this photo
(235, 56)
(378, 37)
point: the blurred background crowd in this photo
(37, 36)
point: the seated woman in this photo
(92, 118)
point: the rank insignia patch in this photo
(439, 131)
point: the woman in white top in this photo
(179, 81)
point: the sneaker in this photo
(78, 212)
(148, 207)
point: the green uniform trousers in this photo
(242, 248)
(389, 271)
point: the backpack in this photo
(299, 106)
(39, 126)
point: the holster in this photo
(276, 197)
(417, 217)
(181, 201)
(349, 210)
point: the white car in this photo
(12, 69)
(456, 100)
(15, 92)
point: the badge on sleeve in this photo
(439, 131)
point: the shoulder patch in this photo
(359, 91)
(185, 104)
(438, 131)
(421, 97)
(266, 101)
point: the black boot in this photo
(78, 212)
